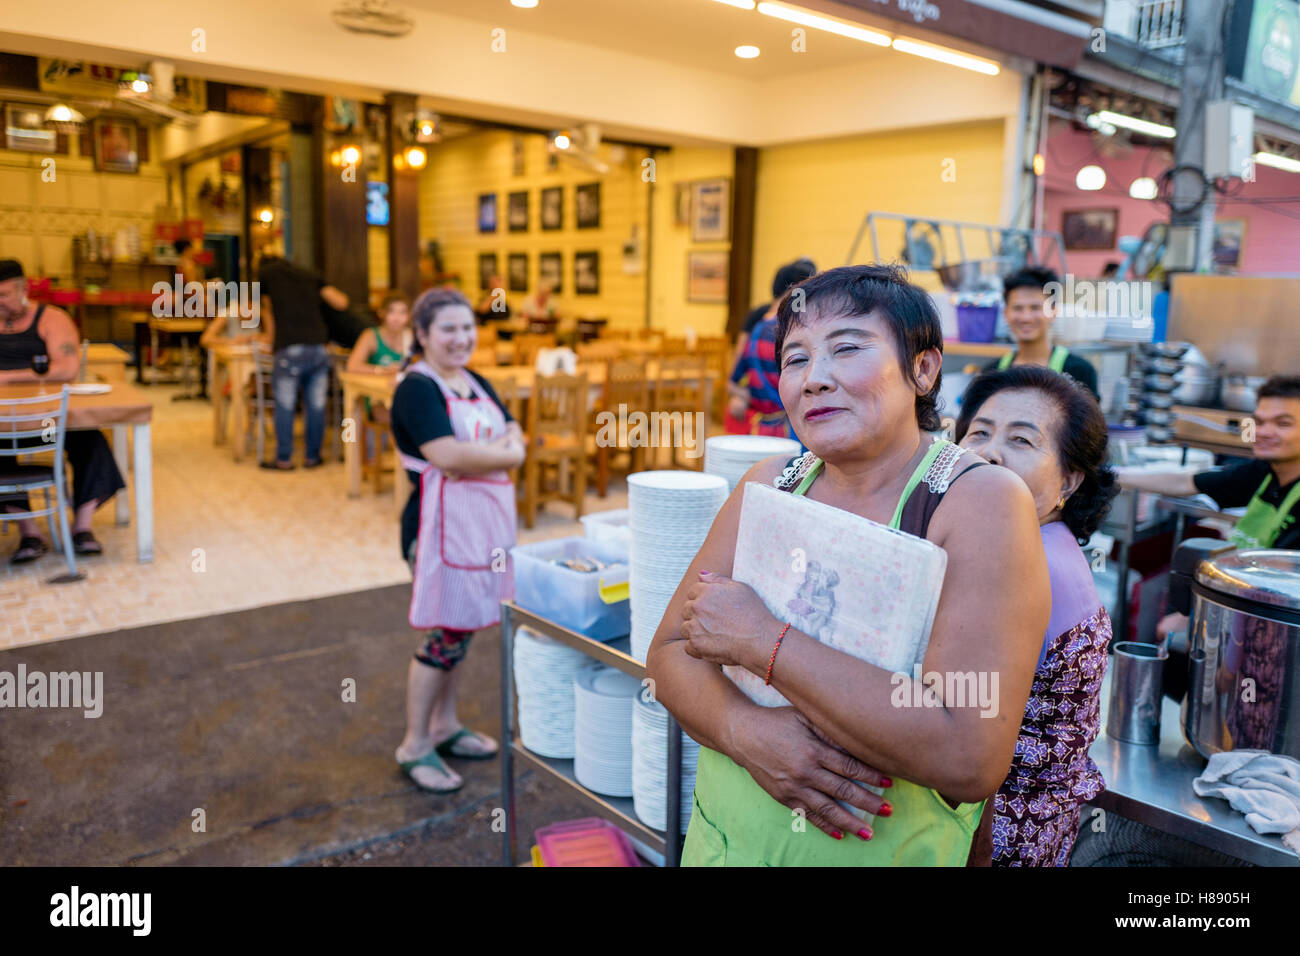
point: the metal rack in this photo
(617, 810)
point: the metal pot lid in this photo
(1265, 576)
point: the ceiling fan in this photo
(380, 17)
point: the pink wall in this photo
(1272, 241)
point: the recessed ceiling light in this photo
(525, 4)
(562, 141)
(747, 52)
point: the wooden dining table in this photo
(124, 407)
(358, 386)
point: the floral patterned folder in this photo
(853, 584)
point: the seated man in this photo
(28, 330)
(1269, 486)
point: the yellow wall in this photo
(458, 171)
(669, 308)
(38, 219)
(812, 197)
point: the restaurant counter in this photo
(1152, 785)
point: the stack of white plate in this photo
(732, 455)
(602, 698)
(544, 672)
(650, 765)
(671, 515)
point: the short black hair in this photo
(1030, 277)
(181, 245)
(792, 273)
(861, 290)
(1081, 439)
(1280, 386)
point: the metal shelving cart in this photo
(617, 810)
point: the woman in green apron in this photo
(1029, 318)
(859, 376)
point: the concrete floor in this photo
(241, 716)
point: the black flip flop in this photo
(84, 543)
(34, 548)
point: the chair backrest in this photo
(485, 356)
(600, 350)
(679, 384)
(558, 406)
(528, 345)
(487, 336)
(626, 383)
(37, 416)
(263, 367)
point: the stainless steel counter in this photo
(1153, 785)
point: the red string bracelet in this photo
(772, 660)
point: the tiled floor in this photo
(227, 537)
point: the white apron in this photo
(463, 570)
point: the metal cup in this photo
(1135, 693)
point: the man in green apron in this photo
(1028, 317)
(1268, 486)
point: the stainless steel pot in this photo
(1241, 392)
(1244, 654)
(1196, 387)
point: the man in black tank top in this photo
(28, 330)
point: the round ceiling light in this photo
(524, 4)
(747, 52)
(1143, 188)
(1090, 178)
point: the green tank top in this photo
(735, 822)
(383, 355)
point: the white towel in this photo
(1263, 786)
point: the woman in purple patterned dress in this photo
(1050, 432)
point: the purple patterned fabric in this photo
(1036, 810)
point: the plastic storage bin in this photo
(572, 599)
(590, 841)
(613, 528)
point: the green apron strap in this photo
(1004, 363)
(917, 475)
(1057, 362)
(809, 478)
(1260, 526)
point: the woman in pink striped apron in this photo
(456, 441)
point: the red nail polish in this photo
(837, 834)
(864, 833)
(886, 782)
(885, 810)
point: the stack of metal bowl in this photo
(1162, 364)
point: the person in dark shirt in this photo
(786, 276)
(1030, 322)
(28, 330)
(297, 329)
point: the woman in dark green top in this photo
(382, 349)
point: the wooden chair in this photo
(598, 351)
(557, 444)
(675, 346)
(528, 345)
(682, 385)
(716, 352)
(627, 390)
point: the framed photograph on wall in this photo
(117, 145)
(1229, 241)
(25, 129)
(517, 271)
(550, 271)
(553, 208)
(706, 276)
(1090, 228)
(487, 212)
(587, 203)
(711, 210)
(487, 268)
(586, 273)
(517, 212)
